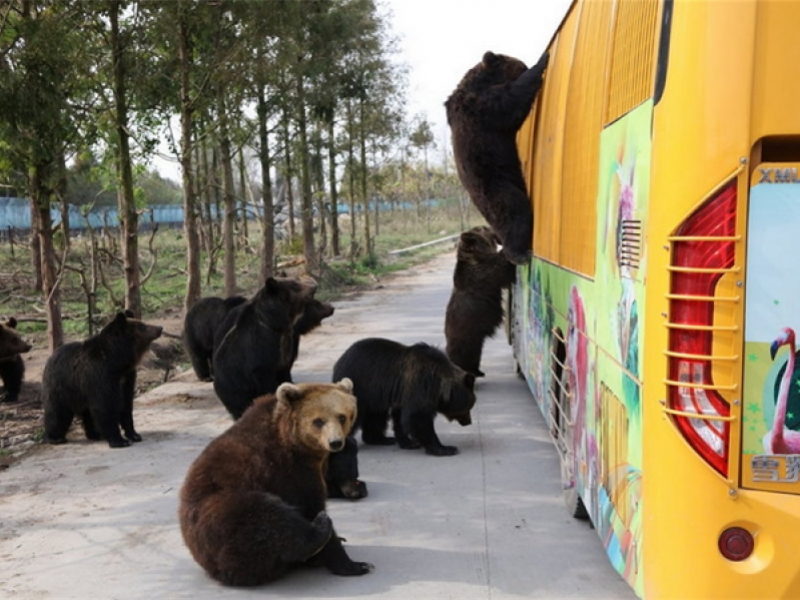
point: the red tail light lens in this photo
(736, 543)
(701, 253)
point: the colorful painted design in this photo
(771, 421)
(599, 319)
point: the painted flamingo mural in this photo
(782, 440)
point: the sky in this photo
(441, 39)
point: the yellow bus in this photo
(655, 323)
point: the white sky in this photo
(442, 39)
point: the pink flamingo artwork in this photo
(782, 440)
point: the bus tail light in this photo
(703, 249)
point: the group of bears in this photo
(249, 526)
(252, 504)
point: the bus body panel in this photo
(726, 112)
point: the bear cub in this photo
(12, 367)
(96, 380)
(409, 383)
(475, 309)
(484, 112)
(252, 505)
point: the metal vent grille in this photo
(633, 56)
(629, 243)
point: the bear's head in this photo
(11, 343)
(124, 326)
(458, 396)
(498, 69)
(474, 245)
(283, 299)
(322, 413)
(313, 314)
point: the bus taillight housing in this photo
(703, 250)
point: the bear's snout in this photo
(465, 419)
(336, 445)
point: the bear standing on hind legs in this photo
(252, 505)
(485, 112)
(475, 309)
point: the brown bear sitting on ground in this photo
(96, 380)
(410, 383)
(254, 344)
(253, 503)
(12, 367)
(485, 112)
(475, 309)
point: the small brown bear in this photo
(475, 309)
(485, 112)
(96, 380)
(409, 383)
(253, 502)
(12, 367)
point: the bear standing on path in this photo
(475, 309)
(253, 346)
(96, 380)
(485, 112)
(12, 367)
(199, 325)
(253, 503)
(410, 383)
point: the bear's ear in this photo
(288, 392)
(129, 313)
(271, 285)
(11, 322)
(490, 59)
(346, 384)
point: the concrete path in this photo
(85, 521)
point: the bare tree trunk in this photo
(229, 198)
(35, 243)
(189, 199)
(242, 192)
(268, 228)
(363, 148)
(335, 248)
(287, 157)
(352, 172)
(129, 217)
(306, 213)
(52, 298)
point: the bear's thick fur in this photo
(253, 502)
(253, 346)
(199, 325)
(96, 380)
(410, 383)
(341, 474)
(12, 367)
(475, 308)
(485, 112)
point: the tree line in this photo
(244, 94)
